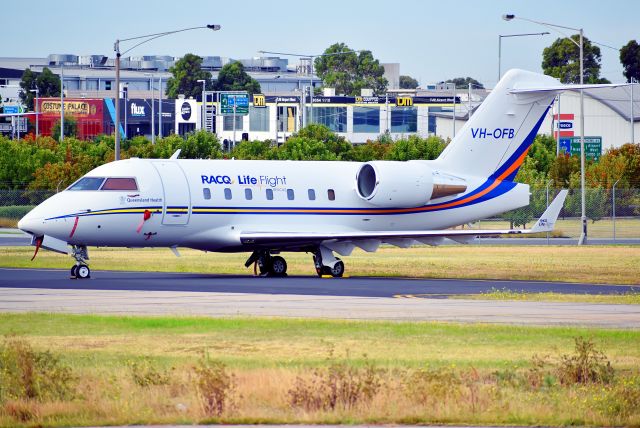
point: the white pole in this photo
(558, 130)
(153, 112)
(126, 112)
(386, 106)
(160, 106)
(37, 113)
(583, 236)
(613, 200)
(116, 47)
(62, 103)
(469, 102)
(235, 100)
(631, 112)
(454, 110)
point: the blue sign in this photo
(565, 125)
(565, 144)
(12, 109)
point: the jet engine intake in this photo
(395, 184)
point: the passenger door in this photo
(177, 196)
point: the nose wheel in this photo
(327, 264)
(80, 270)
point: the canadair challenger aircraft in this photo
(267, 207)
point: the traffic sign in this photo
(239, 99)
(592, 146)
(13, 109)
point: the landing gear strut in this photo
(267, 264)
(326, 263)
(80, 270)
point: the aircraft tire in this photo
(278, 266)
(83, 272)
(337, 270)
(74, 272)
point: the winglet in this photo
(547, 220)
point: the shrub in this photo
(431, 386)
(586, 365)
(15, 211)
(215, 387)
(338, 386)
(26, 374)
(144, 374)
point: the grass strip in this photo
(597, 264)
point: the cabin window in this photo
(248, 194)
(227, 193)
(331, 194)
(269, 195)
(290, 194)
(312, 194)
(206, 193)
(120, 184)
(87, 183)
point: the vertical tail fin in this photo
(495, 140)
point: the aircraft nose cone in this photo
(30, 224)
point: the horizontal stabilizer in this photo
(533, 89)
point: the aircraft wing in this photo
(344, 242)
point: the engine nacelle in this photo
(395, 184)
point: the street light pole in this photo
(160, 107)
(147, 38)
(62, 103)
(500, 36)
(583, 218)
(37, 92)
(202, 109)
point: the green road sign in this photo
(239, 99)
(592, 147)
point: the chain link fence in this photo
(610, 216)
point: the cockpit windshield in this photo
(102, 183)
(87, 183)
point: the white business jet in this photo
(269, 207)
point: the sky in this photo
(431, 40)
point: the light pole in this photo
(37, 91)
(116, 48)
(153, 107)
(583, 218)
(202, 109)
(501, 36)
(160, 107)
(312, 59)
(62, 103)
(126, 113)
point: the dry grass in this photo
(428, 373)
(596, 264)
(625, 228)
(630, 298)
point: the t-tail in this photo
(495, 140)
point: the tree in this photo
(186, 73)
(47, 83)
(348, 71)
(630, 59)
(463, 82)
(232, 77)
(562, 61)
(70, 128)
(408, 82)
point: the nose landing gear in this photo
(80, 270)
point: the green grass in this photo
(259, 343)
(593, 264)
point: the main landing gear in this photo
(80, 270)
(267, 264)
(326, 263)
